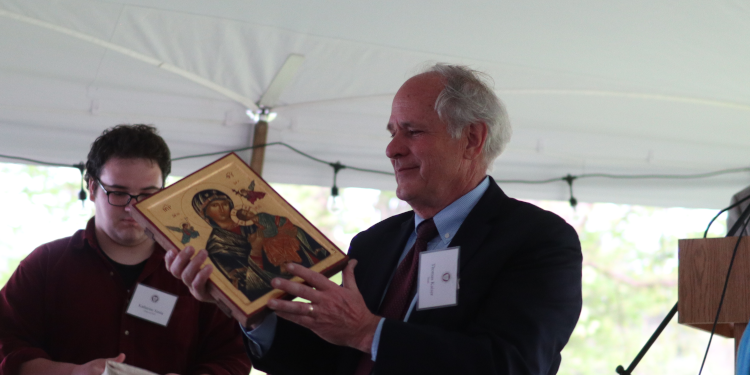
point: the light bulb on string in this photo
(335, 203)
(82, 192)
(573, 201)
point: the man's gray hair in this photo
(469, 98)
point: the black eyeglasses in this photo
(121, 198)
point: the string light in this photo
(337, 166)
(569, 179)
(334, 201)
(81, 194)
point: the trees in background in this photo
(629, 286)
(40, 204)
(629, 273)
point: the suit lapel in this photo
(472, 233)
(477, 225)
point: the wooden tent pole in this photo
(259, 138)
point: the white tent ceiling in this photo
(638, 87)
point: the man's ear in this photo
(476, 137)
(92, 189)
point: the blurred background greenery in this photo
(629, 273)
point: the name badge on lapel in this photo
(152, 304)
(438, 278)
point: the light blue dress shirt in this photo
(447, 221)
(743, 355)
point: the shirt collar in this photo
(449, 219)
(88, 235)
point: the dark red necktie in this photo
(401, 290)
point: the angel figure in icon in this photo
(250, 194)
(187, 230)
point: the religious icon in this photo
(251, 234)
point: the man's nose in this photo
(396, 148)
(130, 204)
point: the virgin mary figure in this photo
(251, 255)
(228, 245)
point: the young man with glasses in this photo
(67, 308)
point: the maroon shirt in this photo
(66, 302)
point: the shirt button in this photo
(127, 333)
(447, 235)
(111, 273)
(128, 290)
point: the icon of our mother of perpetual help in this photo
(253, 253)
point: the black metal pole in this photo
(650, 342)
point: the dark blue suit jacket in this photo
(519, 300)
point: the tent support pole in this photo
(259, 153)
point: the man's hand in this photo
(336, 314)
(45, 366)
(97, 366)
(189, 270)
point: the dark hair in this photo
(128, 142)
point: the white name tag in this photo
(152, 304)
(438, 278)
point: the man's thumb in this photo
(348, 275)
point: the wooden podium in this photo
(703, 265)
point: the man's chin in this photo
(130, 242)
(131, 237)
(404, 193)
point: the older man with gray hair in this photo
(500, 284)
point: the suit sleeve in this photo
(297, 350)
(221, 350)
(521, 321)
(734, 213)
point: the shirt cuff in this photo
(261, 338)
(11, 364)
(376, 340)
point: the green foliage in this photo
(360, 209)
(623, 289)
(629, 273)
(6, 269)
(41, 204)
(310, 201)
(629, 286)
(48, 192)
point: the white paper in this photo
(152, 304)
(115, 368)
(438, 278)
